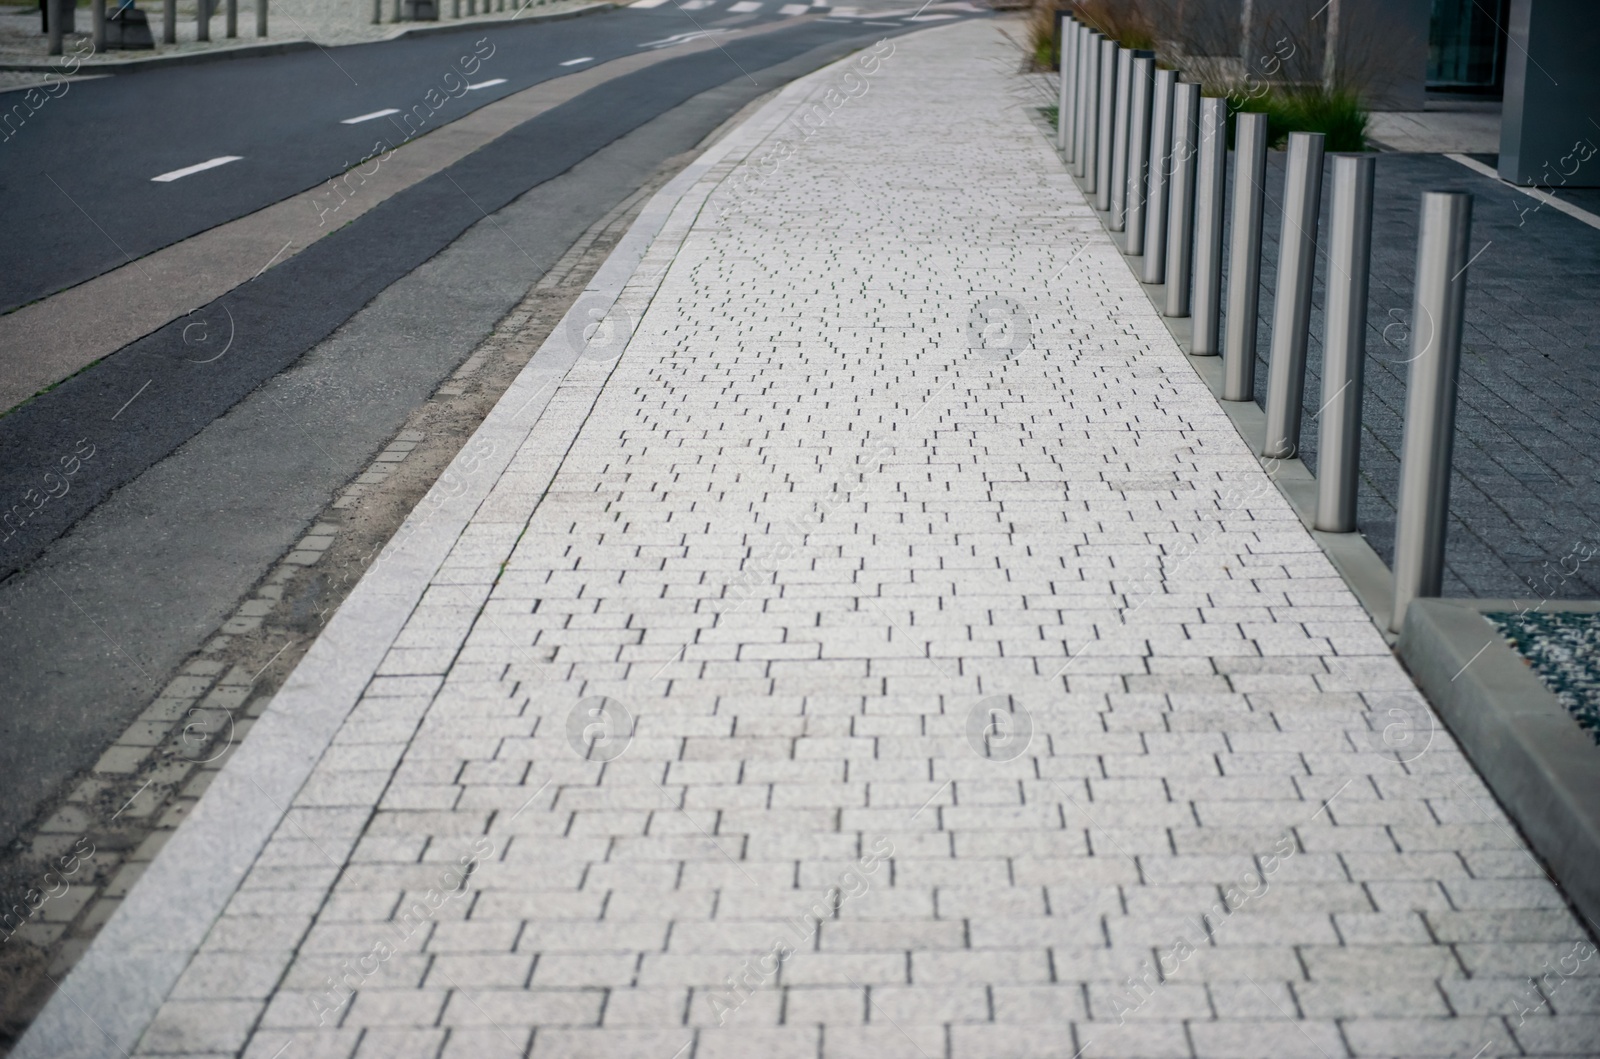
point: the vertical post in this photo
(1244, 257)
(53, 20)
(1105, 140)
(233, 19)
(97, 25)
(1139, 96)
(1425, 453)
(169, 22)
(1067, 51)
(1155, 199)
(261, 18)
(202, 29)
(1291, 306)
(1180, 208)
(398, 13)
(1118, 204)
(1211, 179)
(1084, 164)
(377, 12)
(1344, 342)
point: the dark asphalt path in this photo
(206, 478)
(76, 179)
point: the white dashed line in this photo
(579, 62)
(179, 174)
(647, 3)
(486, 84)
(744, 7)
(368, 117)
(793, 9)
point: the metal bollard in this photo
(1180, 207)
(1344, 342)
(233, 19)
(1064, 53)
(1291, 306)
(1425, 452)
(1244, 257)
(261, 18)
(1211, 180)
(97, 25)
(169, 22)
(202, 30)
(1160, 169)
(1106, 133)
(1118, 203)
(1141, 89)
(1084, 164)
(53, 24)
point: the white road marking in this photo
(179, 174)
(681, 38)
(368, 117)
(694, 5)
(647, 3)
(930, 18)
(579, 62)
(744, 7)
(487, 84)
(793, 9)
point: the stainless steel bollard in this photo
(202, 29)
(1344, 341)
(1160, 171)
(1211, 180)
(1117, 202)
(1425, 453)
(1291, 306)
(97, 25)
(232, 28)
(55, 24)
(1140, 92)
(1244, 257)
(1106, 133)
(1085, 106)
(1180, 205)
(261, 18)
(169, 22)
(1066, 50)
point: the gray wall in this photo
(1552, 95)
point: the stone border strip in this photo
(1541, 766)
(256, 51)
(104, 1005)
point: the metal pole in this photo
(1344, 341)
(233, 18)
(1118, 204)
(1211, 179)
(455, 8)
(1067, 35)
(261, 18)
(97, 25)
(53, 18)
(1106, 135)
(1155, 199)
(1084, 164)
(1244, 257)
(1180, 209)
(1291, 306)
(377, 12)
(398, 13)
(202, 28)
(1139, 100)
(169, 22)
(1425, 453)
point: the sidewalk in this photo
(874, 641)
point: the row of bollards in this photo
(59, 16)
(1152, 152)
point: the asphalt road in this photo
(199, 484)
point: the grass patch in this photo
(1338, 115)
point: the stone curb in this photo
(103, 1006)
(256, 51)
(1541, 766)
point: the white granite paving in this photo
(985, 697)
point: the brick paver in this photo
(985, 697)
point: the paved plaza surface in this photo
(875, 641)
